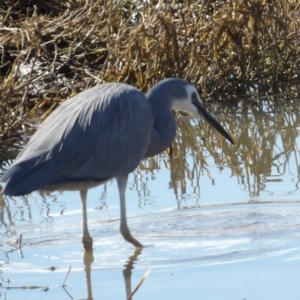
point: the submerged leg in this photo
(122, 182)
(86, 238)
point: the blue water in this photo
(218, 222)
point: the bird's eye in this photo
(194, 96)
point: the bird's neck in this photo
(164, 128)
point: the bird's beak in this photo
(205, 115)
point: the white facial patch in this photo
(186, 104)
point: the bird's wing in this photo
(98, 134)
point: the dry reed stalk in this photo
(53, 50)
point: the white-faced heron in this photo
(102, 133)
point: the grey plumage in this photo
(73, 143)
(102, 133)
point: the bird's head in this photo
(185, 97)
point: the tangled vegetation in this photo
(51, 49)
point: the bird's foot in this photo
(129, 238)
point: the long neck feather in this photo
(164, 127)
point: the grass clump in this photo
(51, 50)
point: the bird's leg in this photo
(122, 182)
(86, 238)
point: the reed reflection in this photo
(267, 145)
(265, 151)
(20, 210)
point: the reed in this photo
(54, 49)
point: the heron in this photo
(102, 133)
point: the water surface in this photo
(219, 221)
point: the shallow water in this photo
(218, 222)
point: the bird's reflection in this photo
(127, 272)
(88, 259)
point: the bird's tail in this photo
(25, 177)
